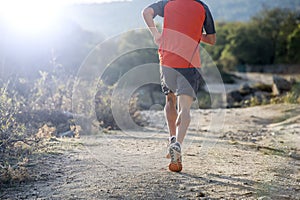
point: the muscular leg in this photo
(171, 113)
(184, 118)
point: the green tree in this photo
(220, 52)
(271, 37)
(249, 47)
(293, 46)
(275, 25)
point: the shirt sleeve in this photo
(209, 25)
(158, 8)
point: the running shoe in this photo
(172, 140)
(176, 161)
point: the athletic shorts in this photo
(181, 81)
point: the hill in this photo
(116, 17)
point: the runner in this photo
(186, 24)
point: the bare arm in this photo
(148, 14)
(209, 39)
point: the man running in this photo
(186, 24)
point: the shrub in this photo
(103, 107)
(52, 91)
(10, 129)
(293, 96)
(12, 150)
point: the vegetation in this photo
(36, 96)
(292, 97)
(36, 110)
(269, 38)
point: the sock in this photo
(172, 139)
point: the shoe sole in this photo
(175, 165)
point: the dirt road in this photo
(249, 153)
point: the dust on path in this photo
(249, 153)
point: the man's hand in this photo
(157, 38)
(209, 39)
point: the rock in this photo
(63, 127)
(262, 87)
(294, 155)
(245, 89)
(280, 85)
(200, 194)
(233, 97)
(261, 97)
(264, 198)
(248, 97)
(182, 187)
(67, 134)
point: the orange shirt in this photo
(184, 21)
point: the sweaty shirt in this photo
(184, 23)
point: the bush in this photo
(36, 110)
(103, 107)
(26, 106)
(293, 96)
(13, 152)
(52, 91)
(10, 129)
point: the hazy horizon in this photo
(90, 1)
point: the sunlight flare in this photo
(30, 16)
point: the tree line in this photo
(271, 37)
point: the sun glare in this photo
(30, 16)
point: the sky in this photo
(83, 1)
(5, 3)
(31, 16)
(92, 1)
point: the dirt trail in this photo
(249, 153)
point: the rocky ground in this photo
(245, 153)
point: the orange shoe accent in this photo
(175, 167)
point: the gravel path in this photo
(249, 153)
